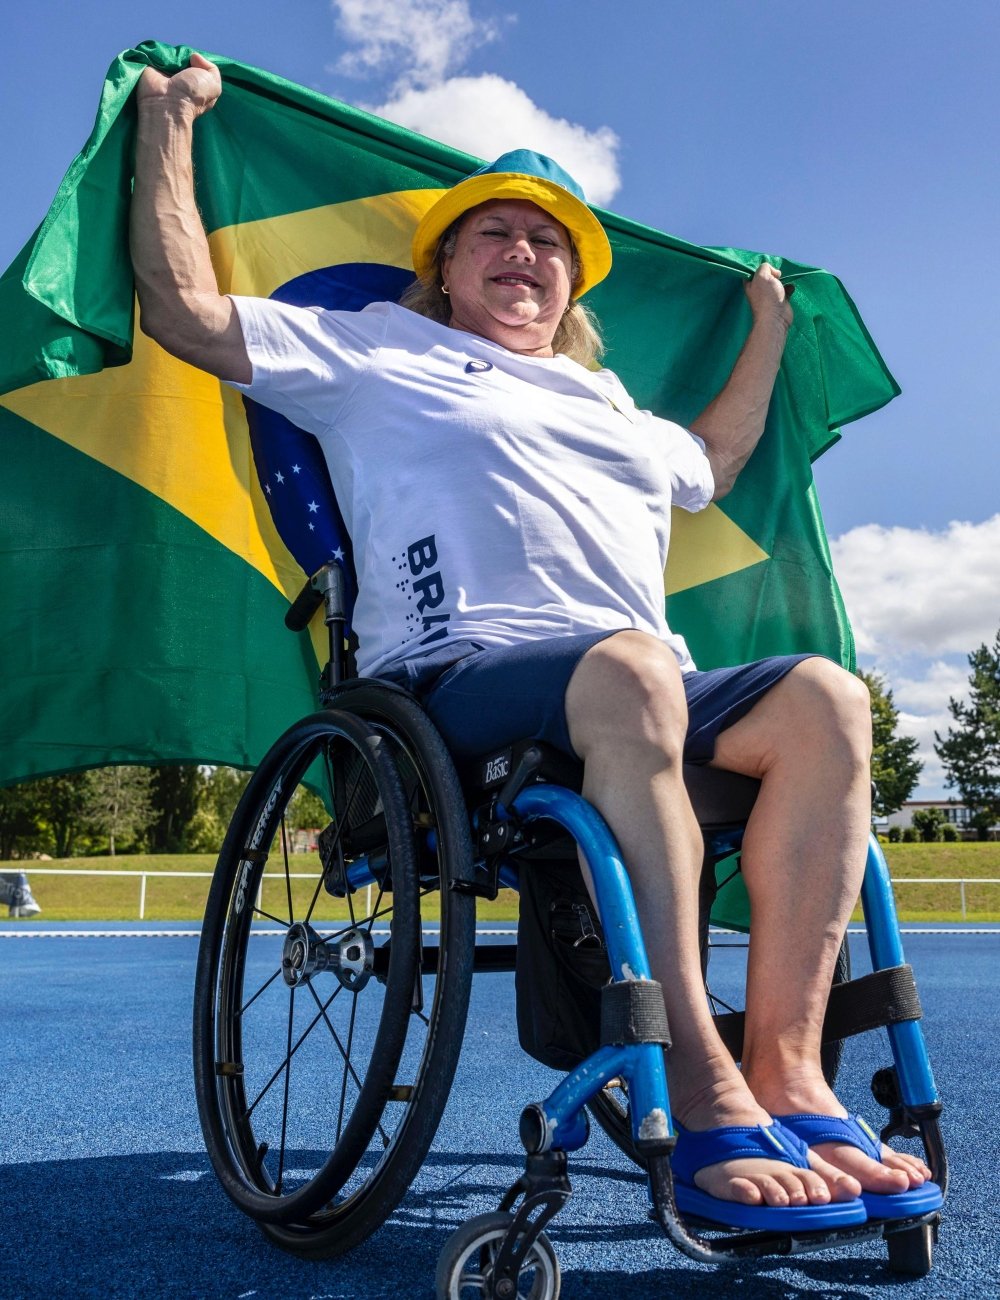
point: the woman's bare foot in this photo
(809, 1094)
(752, 1181)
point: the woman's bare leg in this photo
(809, 741)
(627, 717)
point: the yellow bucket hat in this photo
(519, 174)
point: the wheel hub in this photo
(351, 956)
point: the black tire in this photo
(364, 1080)
(464, 1264)
(911, 1252)
(609, 1107)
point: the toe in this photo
(871, 1175)
(915, 1170)
(743, 1190)
(842, 1186)
(766, 1182)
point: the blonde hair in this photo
(577, 335)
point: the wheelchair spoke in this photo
(719, 1004)
(291, 1052)
(315, 898)
(283, 831)
(284, 1103)
(347, 1057)
(266, 985)
(342, 820)
(375, 913)
(348, 1067)
(268, 916)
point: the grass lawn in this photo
(108, 897)
(969, 862)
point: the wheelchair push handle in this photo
(326, 586)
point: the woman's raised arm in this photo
(179, 300)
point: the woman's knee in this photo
(629, 687)
(834, 705)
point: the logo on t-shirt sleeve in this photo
(427, 591)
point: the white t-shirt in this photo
(490, 497)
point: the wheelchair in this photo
(330, 1005)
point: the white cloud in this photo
(931, 690)
(910, 590)
(920, 602)
(417, 41)
(420, 47)
(488, 115)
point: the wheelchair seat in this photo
(719, 798)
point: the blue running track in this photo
(105, 1190)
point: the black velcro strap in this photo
(633, 1012)
(885, 997)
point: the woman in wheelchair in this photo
(510, 511)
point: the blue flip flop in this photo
(813, 1130)
(695, 1151)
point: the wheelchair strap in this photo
(633, 1012)
(885, 997)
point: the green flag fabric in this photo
(144, 583)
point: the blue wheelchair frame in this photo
(641, 1065)
(559, 1124)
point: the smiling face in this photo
(510, 276)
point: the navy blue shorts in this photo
(482, 699)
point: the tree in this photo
(176, 792)
(20, 819)
(895, 767)
(119, 803)
(306, 811)
(64, 808)
(971, 750)
(927, 822)
(220, 793)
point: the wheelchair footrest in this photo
(730, 1245)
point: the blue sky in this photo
(857, 135)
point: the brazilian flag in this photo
(144, 581)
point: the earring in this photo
(445, 289)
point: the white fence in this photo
(143, 876)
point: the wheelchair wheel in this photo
(609, 1107)
(325, 1038)
(465, 1265)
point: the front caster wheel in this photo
(465, 1267)
(912, 1252)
